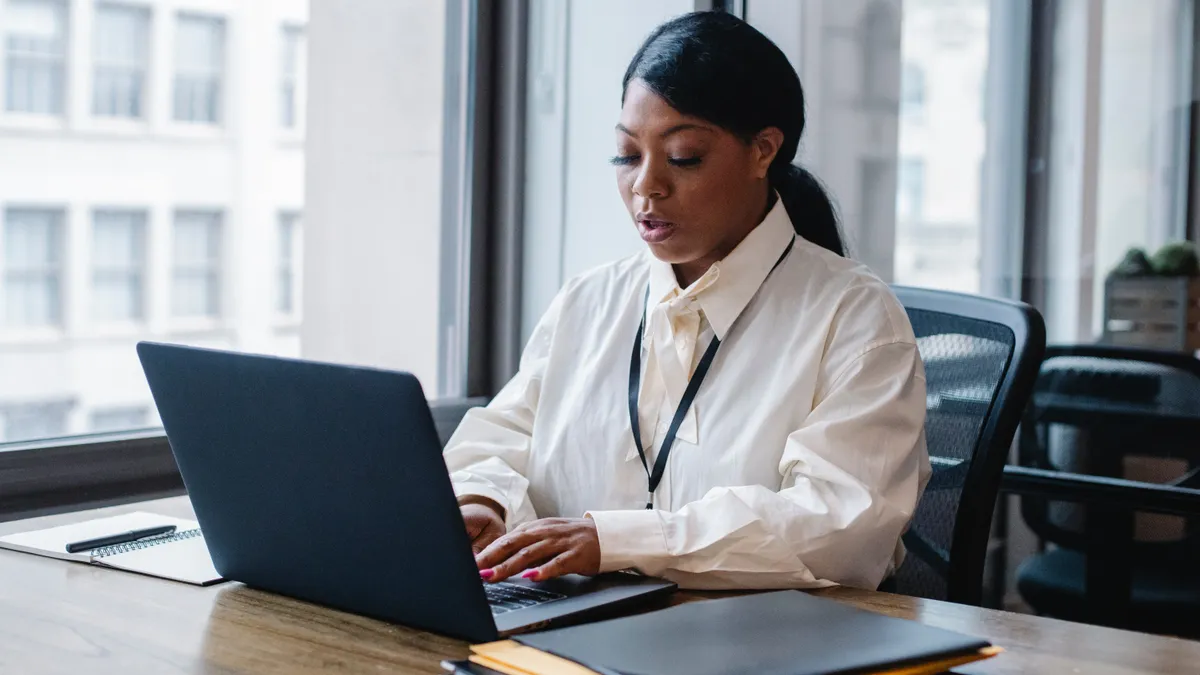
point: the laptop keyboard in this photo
(505, 597)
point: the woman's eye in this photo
(685, 161)
(625, 160)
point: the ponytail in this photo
(808, 206)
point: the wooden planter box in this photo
(1152, 313)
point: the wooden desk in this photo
(59, 617)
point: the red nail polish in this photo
(530, 575)
(486, 574)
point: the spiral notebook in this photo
(181, 556)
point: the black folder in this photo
(779, 633)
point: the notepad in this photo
(181, 556)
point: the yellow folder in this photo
(513, 658)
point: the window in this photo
(289, 226)
(912, 91)
(291, 77)
(34, 421)
(199, 68)
(118, 265)
(910, 191)
(155, 231)
(1118, 170)
(939, 204)
(122, 45)
(32, 267)
(119, 419)
(36, 49)
(196, 264)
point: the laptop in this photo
(326, 483)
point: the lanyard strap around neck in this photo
(653, 478)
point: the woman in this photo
(740, 406)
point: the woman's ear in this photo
(765, 145)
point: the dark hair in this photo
(719, 68)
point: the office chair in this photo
(981, 357)
(1114, 560)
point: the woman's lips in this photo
(655, 231)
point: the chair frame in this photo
(1111, 501)
(981, 486)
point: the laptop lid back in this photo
(321, 482)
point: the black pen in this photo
(122, 538)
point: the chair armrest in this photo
(1084, 489)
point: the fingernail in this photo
(486, 574)
(530, 575)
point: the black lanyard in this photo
(689, 394)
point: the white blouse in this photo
(800, 462)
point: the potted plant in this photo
(1154, 301)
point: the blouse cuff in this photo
(480, 490)
(629, 538)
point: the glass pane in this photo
(119, 419)
(122, 34)
(199, 45)
(36, 27)
(109, 236)
(944, 51)
(121, 45)
(31, 240)
(1119, 171)
(33, 421)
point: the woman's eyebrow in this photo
(686, 126)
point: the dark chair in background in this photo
(1099, 416)
(981, 357)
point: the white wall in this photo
(373, 219)
(574, 217)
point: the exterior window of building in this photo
(33, 272)
(35, 46)
(118, 265)
(199, 68)
(196, 264)
(122, 46)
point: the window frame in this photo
(87, 471)
(55, 270)
(221, 76)
(213, 268)
(63, 63)
(137, 273)
(142, 70)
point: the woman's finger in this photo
(485, 539)
(562, 564)
(528, 557)
(504, 548)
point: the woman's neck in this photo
(687, 273)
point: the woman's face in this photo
(694, 190)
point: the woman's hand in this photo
(547, 548)
(485, 522)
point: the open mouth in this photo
(655, 231)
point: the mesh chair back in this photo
(981, 356)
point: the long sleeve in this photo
(488, 455)
(851, 477)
